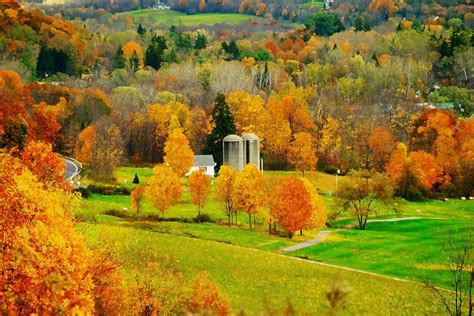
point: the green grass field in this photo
(252, 279)
(171, 17)
(316, 4)
(250, 269)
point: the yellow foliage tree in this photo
(136, 197)
(44, 261)
(249, 191)
(319, 216)
(301, 153)
(178, 153)
(163, 188)
(224, 189)
(131, 47)
(199, 185)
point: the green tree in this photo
(154, 55)
(223, 122)
(141, 30)
(324, 24)
(118, 61)
(134, 62)
(201, 42)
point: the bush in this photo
(85, 192)
(108, 189)
(117, 213)
(203, 218)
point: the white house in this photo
(205, 162)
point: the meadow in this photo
(171, 17)
(253, 272)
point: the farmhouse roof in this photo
(204, 161)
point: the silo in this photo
(234, 152)
(251, 149)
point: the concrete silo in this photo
(233, 152)
(251, 149)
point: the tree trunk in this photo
(301, 232)
(250, 221)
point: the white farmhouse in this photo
(204, 162)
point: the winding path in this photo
(324, 234)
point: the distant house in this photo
(204, 162)
(161, 6)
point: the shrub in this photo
(108, 189)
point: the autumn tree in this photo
(249, 191)
(363, 195)
(163, 188)
(318, 216)
(178, 154)
(206, 298)
(301, 153)
(290, 204)
(136, 197)
(85, 144)
(199, 185)
(40, 273)
(224, 189)
(46, 165)
(107, 151)
(382, 142)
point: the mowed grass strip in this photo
(398, 249)
(252, 279)
(172, 17)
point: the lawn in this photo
(171, 17)
(315, 4)
(411, 249)
(405, 249)
(251, 279)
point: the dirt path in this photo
(323, 235)
(320, 237)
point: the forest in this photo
(379, 93)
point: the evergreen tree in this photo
(185, 42)
(324, 24)
(141, 30)
(51, 61)
(154, 55)
(232, 50)
(118, 62)
(201, 42)
(223, 125)
(136, 180)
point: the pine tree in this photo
(154, 55)
(118, 62)
(201, 42)
(141, 30)
(136, 180)
(223, 125)
(45, 63)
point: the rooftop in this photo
(204, 160)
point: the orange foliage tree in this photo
(381, 142)
(163, 188)
(224, 189)
(249, 191)
(206, 298)
(136, 197)
(48, 167)
(301, 153)
(85, 144)
(199, 185)
(40, 272)
(290, 204)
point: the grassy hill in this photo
(253, 280)
(171, 17)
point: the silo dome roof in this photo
(232, 138)
(249, 136)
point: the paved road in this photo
(73, 168)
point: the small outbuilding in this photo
(204, 162)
